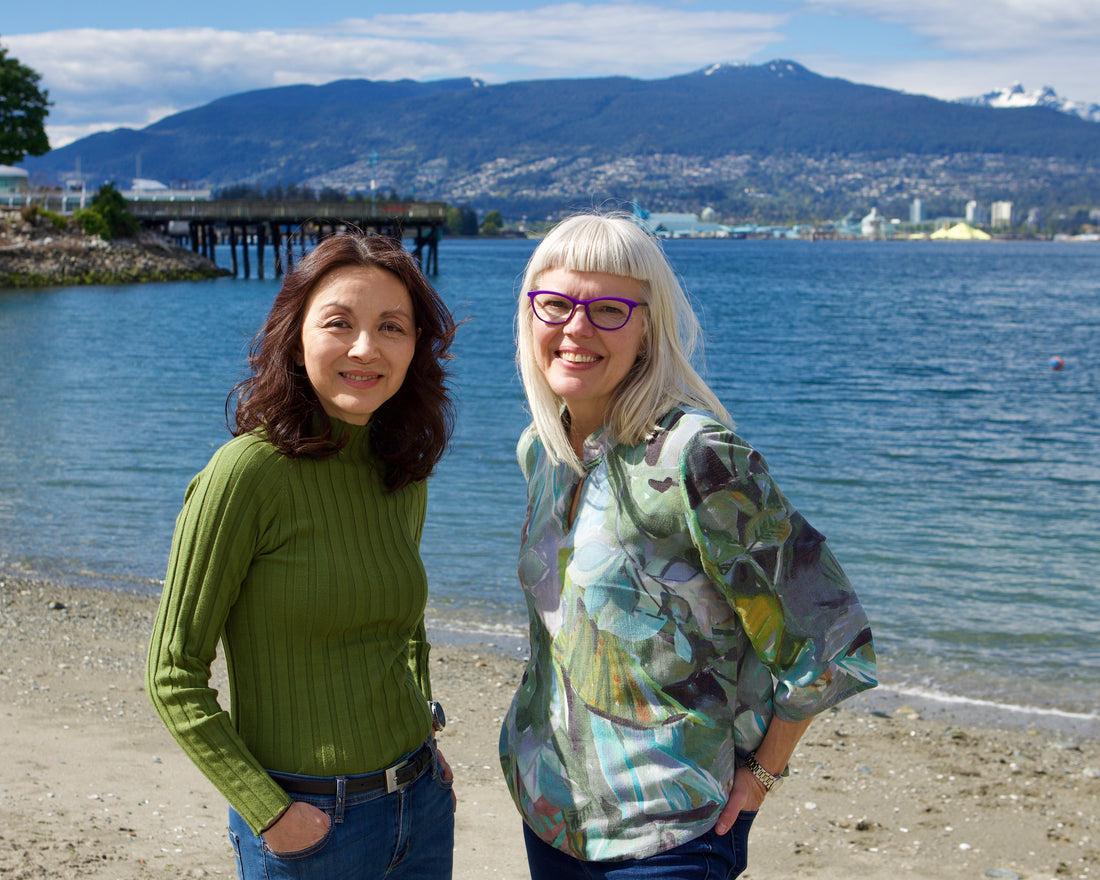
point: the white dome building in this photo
(14, 181)
(873, 225)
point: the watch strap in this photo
(768, 780)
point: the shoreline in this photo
(95, 787)
(945, 705)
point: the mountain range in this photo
(1016, 96)
(763, 141)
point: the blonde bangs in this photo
(615, 245)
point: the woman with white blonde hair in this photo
(663, 376)
(686, 621)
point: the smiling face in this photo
(358, 339)
(583, 364)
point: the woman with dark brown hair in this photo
(298, 549)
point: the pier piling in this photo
(260, 220)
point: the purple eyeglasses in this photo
(604, 312)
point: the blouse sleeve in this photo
(527, 451)
(218, 533)
(793, 599)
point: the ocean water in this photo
(902, 394)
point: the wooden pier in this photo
(289, 224)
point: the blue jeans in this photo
(401, 836)
(710, 857)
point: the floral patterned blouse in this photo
(682, 606)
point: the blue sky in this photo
(127, 63)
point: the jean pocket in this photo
(311, 850)
(437, 774)
(235, 841)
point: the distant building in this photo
(916, 211)
(975, 213)
(679, 225)
(145, 190)
(1000, 214)
(144, 185)
(874, 225)
(849, 226)
(14, 181)
(1035, 218)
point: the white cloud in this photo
(967, 77)
(576, 40)
(977, 46)
(104, 79)
(984, 26)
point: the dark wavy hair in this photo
(410, 431)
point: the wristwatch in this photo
(770, 782)
(439, 719)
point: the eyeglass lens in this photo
(605, 313)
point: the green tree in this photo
(492, 224)
(461, 220)
(23, 110)
(108, 216)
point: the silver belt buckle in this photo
(391, 776)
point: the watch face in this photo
(439, 719)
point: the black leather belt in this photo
(391, 779)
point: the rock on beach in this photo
(34, 253)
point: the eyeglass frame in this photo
(631, 305)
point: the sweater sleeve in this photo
(419, 647)
(218, 532)
(794, 601)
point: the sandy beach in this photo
(92, 786)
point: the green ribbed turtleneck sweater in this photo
(310, 576)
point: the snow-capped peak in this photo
(778, 67)
(723, 65)
(1017, 96)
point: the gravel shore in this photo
(93, 786)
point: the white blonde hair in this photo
(662, 377)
